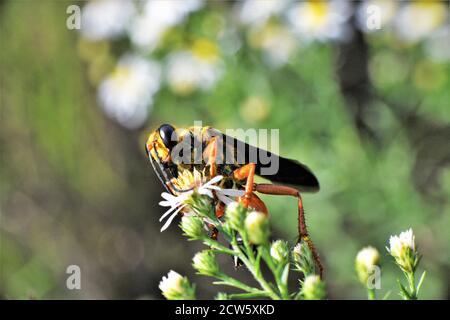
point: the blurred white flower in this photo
(106, 19)
(198, 68)
(366, 259)
(386, 9)
(418, 19)
(276, 42)
(438, 44)
(257, 12)
(159, 15)
(320, 20)
(127, 93)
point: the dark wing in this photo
(290, 172)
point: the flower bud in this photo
(201, 205)
(176, 287)
(303, 259)
(235, 215)
(403, 249)
(205, 263)
(280, 251)
(313, 288)
(193, 227)
(257, 227)
(366, 260)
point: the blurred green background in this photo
(367, 109)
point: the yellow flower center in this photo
(205, 50)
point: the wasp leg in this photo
(302, 230)
(249, 199)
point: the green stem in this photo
(281, 283)
(412, 285)
(227, 280)
(254, 270)
(247, 295)
(371, 294)
(220, 247)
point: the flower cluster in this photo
(187, 63)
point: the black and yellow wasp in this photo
(207, 150)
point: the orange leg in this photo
(212, 156)
(246, 171)
(302, 230)
(220, 208)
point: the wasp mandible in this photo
(178, 155)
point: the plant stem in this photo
(247, 295)
(227, 280)
(412, 285)
(371, 294)
(254, 269)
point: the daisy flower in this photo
(257, 12)
(157, 17)
(418, 19)
(127, 93)
(320, 20)
(403, 249)
(197, 181)
(106, 19)
(197, 68)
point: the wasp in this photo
(177, 155)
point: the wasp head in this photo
(161, 142)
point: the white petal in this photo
(167, 196)
(213, 180)
(205, 192)
(212, 187)
(224, 199)
(169, 221)
(167, 213)
(232, 192)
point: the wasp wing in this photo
(290, 172)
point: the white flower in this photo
(106, 19)
(403, 249)
(159, 15)
(368, 256)
(127, 93)
(171, 282)
(189, 70)
(366, 259)
(257, 12)
(320, 20)
(276, 42)
(175, 287)
(438, 44)
(418, 19)
(176, 203)
(402, 242)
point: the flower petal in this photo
(169, 221)
(232, 192)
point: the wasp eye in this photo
(165, 132)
